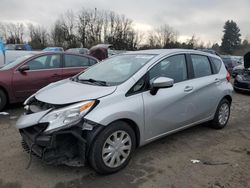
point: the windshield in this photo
(115, 70)
(15, 62)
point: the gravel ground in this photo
(224, 159)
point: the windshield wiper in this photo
(99, 82)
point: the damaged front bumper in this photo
(62, 147)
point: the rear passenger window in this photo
(76, 61)
(201, 66)
(216, 64)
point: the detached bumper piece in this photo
(62, 147)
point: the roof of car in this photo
(169, 51)
(69, 53)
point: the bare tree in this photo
(163, 37)
(12, 33)
(38, 36)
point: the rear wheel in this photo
(3, 100)
(222, 114)
(112, 149)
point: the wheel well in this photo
(91, 135)
(134, 126)
(6, 93)
(229, 98)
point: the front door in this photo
(43, 70)
(169, 109)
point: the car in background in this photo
(29, 73)
(242, 80)
(53, 49)
(78, 50)
(229, 62)
(239, 69)
(11, 55)
(102, 115)
(24, 47)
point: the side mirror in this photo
(161, 82)
(23, 68)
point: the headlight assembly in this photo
(67, 116)
(239, 78)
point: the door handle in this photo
(188, 88)
(217, 80)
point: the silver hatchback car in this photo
(103, 114)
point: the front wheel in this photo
(222, 114)
(113, 147)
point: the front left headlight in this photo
(67, 116)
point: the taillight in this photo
(228, 77)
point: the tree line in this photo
(91, 26)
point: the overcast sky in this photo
(204, 18)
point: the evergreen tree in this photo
(231, 39)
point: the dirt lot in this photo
(224, 156)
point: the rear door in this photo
(205, 88)
(73, 64)
(44, 70)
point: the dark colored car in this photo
(24, 47)
(238, 70)
(100, 51)
(28, 74)
(242, 80)
(229, 62)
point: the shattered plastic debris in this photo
(194, 161)
(4, 113)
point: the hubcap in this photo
(116, 149)
(223, 114)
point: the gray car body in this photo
(186, 104)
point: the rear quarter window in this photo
(201, 66)
(216, 63)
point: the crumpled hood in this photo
(67, 91)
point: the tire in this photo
(97, 153)
(222, 115)
(236, 90)
(3, 100)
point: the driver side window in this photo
(45, 62)
(174, 67)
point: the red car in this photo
(27, 74)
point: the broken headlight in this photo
(67, 116)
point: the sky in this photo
(202, 18)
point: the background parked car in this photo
(53, 49)
(11, 55)
(239, 69)
(229, 62)
(242, 80)
(18, 47)
(78, 50)
(100, 51)
(29, 73)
